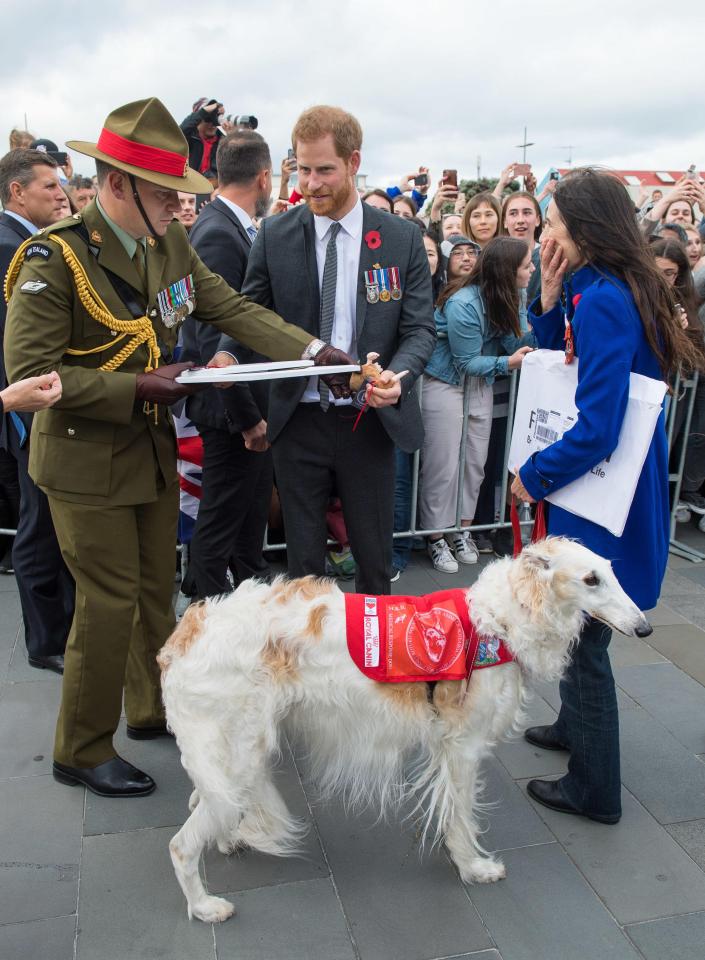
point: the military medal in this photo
(176, 301)
(396, 286)
(372, 286)
(385, 296)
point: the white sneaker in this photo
(464, 548)
(441, 557)
(683, 514)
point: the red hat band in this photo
(142, 155)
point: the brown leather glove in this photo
(338, 383)
(159, 386)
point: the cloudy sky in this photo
(434, 83)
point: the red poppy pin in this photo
(576, 299)
(373, 239)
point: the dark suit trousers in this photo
(45, 586)
(318, 451)
(9, 500)
(232, 517)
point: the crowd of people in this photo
(448, 289)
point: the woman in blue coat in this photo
(599, 278)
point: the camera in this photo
(245, 120)
(421, 180)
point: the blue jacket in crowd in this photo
(467, 345)
(611, 343)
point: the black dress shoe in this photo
(54, 662)
(548, 793)
(544, 737)
(148, 733)
(114, 778)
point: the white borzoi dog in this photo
(236, 666)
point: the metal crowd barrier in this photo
(415, 531)
(684, 391)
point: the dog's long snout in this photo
(644, 628)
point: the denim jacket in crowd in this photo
(466, 345)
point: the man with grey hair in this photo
(237, 464)
(32, 198)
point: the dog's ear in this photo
(529, 580)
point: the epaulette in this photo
(66, 224)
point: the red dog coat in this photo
(403, 639)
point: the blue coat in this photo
(610, 341)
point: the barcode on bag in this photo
(545, 434)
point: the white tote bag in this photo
(546, 410)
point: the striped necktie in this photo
(251, 233)
(325, 326)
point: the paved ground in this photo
(91, 878)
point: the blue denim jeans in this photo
(402, 507)
(588, 723)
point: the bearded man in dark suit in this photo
(356, 277)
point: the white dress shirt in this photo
(348, 249)
(242, 215)
(25, 223)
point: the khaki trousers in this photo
(122, 559)
(442, 411)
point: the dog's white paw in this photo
(212, 910)
(193, 801)
(484, 870)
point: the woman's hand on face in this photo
(516, 358)
(553, 270)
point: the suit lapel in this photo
(224, 209)
(16, 227)
(309, 232)
(368, 258)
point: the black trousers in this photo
(46, 588)
(232, 517)
(317, 450)
(9, 501)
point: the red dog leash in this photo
(539, 530)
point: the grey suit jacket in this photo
(282, 274)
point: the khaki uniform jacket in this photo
(97, 445)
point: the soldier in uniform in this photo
(99, 297)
